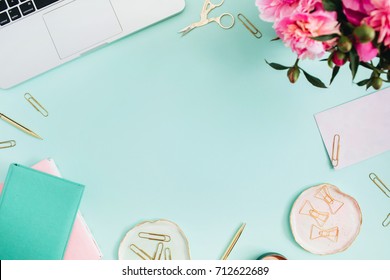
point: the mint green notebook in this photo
(37, 212)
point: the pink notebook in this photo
(81, 245)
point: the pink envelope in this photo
(362, 126)
(81, 245)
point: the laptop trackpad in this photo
(81, 25)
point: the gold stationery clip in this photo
(7, 144)
(377, 181)
(155, 236)
(336, 150)
(308, 209)
(386, 222)
(139, 252)
(324, 194)
(250, 26)
(36, 104)
(159, 250)
(331, 234)
(168, 254)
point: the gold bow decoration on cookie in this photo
(318, 216)
(334, 205)
(332, 234)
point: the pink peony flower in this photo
(297, 30)
(357, 10)
(379, 19)
(275, 10)
(307, 6)
(366, 51)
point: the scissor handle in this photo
(219, 19)
(208, 6)
(216, 5)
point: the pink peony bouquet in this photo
(350, 32)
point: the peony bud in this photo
(293, 74)
(339, 58)
(344, 44)
(330, 62)
(364, 33)
(377, 83)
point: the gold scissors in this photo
(207, 8)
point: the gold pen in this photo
(19, 126)
(233, 242)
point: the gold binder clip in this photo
(336, 150)
(250, 26)
(7, 144)
(159, 250)
(168, 254)
(139, 252)
(377, 181)
(155, 236)
(386, 222)
(36, 104)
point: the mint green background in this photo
(197, 130)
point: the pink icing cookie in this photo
(325, 220)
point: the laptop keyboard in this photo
(11, 10)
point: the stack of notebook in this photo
(39, 217)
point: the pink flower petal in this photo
(366, 51)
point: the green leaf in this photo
(367, 65)
(324, 38)
(277, 66)
(313, 80)
(331, 5)
(363, 82)
(336, 70)
(369, 84)
(353, 63)
(347, 28)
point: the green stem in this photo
(296, 63)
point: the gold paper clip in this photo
(386, 222)
(250, 26)
(334, 204)
(7, 144)
(139, 252)
(168, 254)
(377, 181)
(159, 250)
(336, 150)
(155, 236)
(36, 104)
(331, 234)
(318, 216)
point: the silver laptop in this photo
(38, 35)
